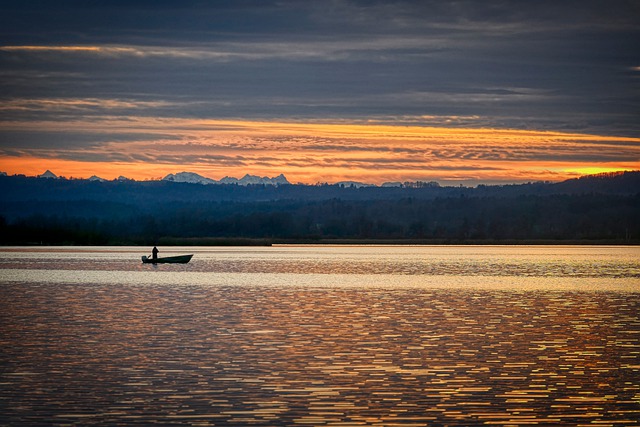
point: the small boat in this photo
(179, 259)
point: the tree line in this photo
(527, 218)
(601, 208)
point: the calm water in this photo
(321, 336)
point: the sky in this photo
(459, 92)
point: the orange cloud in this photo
(144, 148)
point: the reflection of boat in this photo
(179, 259)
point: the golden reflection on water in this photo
(246, 355)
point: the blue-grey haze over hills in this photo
(595, 209)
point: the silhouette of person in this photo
(155, 253)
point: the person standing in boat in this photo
(154, 253)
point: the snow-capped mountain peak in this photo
(253, 179)
(280, 180)
(247, 179)
(265, 180)
(189, 177)
(48, 174)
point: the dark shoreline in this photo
(236, 242)
(598, 210)
(444, 242)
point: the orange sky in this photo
(358, 91)
(147, 148)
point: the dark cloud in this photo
(563, 65)
(72, 139)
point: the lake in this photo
(321, 335)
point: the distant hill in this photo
(604, 183)
(185, 187)
(599, 208)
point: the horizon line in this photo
(404, 183)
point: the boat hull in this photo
(179, 259)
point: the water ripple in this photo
(216, 356)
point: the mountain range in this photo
(194, 178)
(627, 182)
(616, 182)
(247, 179)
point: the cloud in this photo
(251, 83)
(78, 105)
(380, 152)
(371, 48)
(378, 79)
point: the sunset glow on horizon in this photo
(318, 152)
(386, 91)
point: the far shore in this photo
(241, 241)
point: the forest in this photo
(597, 209)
